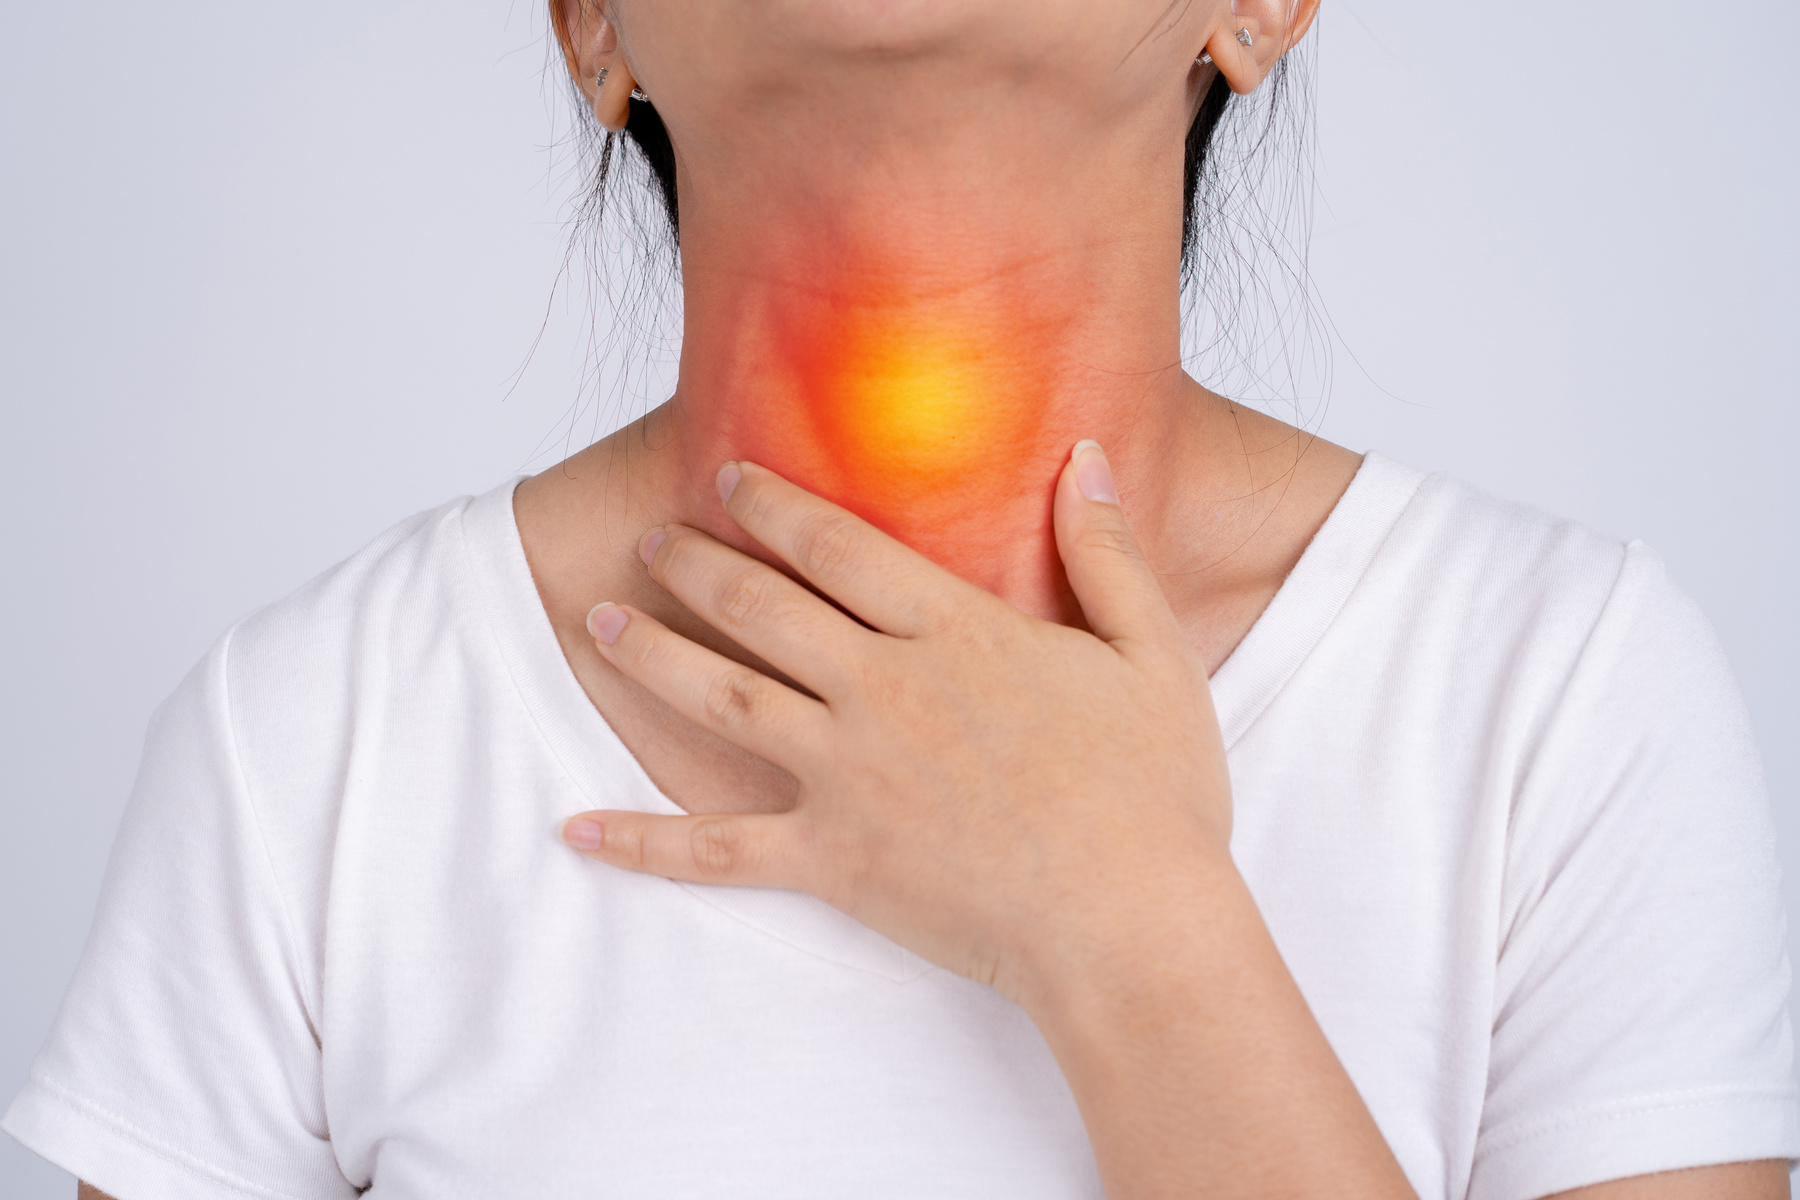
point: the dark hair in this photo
(644, 126)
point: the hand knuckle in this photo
(647, 656)
(889, 692)
(627, 843)
(734, 697)
(984, 636)
(747, 596)
(1109, 539)
(886, 686)
(827, 546)
(716, 848)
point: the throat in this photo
(934, 393)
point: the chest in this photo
(503, 1017)
(635, 1040)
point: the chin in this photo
(855, 28)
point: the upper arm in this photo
(1641, 984)
(1765, 1180)
(184, 1058)
(88, 1191)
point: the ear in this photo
(1272, 27)
(590, 46)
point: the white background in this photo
(267, 273)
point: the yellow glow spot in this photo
(914, 404)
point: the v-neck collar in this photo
(611, 777)
(1313, 594)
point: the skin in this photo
(977, 205)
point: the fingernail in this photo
(582, 834)
(1093, 475)
(647, 547)
(727, 481)
(606, 620)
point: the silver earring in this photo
(1244, 39)
(600, 81)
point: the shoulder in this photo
(1461, 566)
(408, 570)
(353, 626)
(1601, 675)
(1460, 544)
(1522, 568)
(303, 684)
(1499, 615)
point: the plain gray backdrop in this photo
(268, 273)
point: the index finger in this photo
(889, 585)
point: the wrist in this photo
(1143, 953)
(1197, 1064)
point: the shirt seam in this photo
(1636, 1106)
(480, 588)
(506, 647)
(1399, 515)
(288, 934)
(1521, 781)
(173, 1155)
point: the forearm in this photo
(1199, 1069)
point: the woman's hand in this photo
(1036, 807)
(1009, 798)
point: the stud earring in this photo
(1244, 39)
(600, 81)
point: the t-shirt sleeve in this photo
(1640, 1019)
(184, 1063)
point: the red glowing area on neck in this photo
(914, 388)
(914, 404)
(911, 409)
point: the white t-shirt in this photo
(1495, 792)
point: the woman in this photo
(950, 874)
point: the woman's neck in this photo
(923, 334)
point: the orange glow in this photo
(911, 403)
(920, 372)
(923, 399)
(916, 410)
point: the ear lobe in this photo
(1272, 27)
(612, 101)
(590, 46)
(1235, 61)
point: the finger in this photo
(1119, 593)
(758, 607)
(743, 706)
(739, 849)
(891, 586)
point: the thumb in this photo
(748, 850)
(1119, 593)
